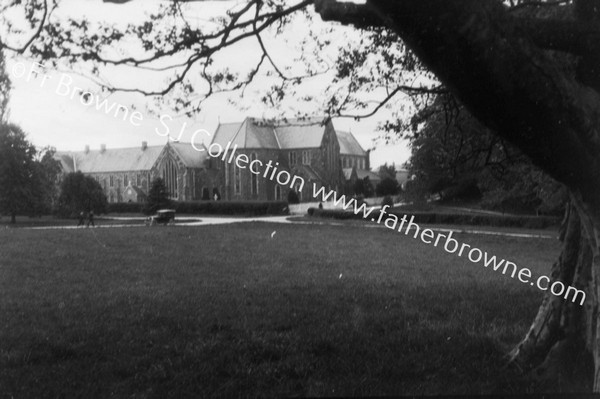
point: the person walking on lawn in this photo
(91, 219)
(81, 219)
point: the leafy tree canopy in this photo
(17, 171)
(80, 193)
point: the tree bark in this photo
(563, 333)
(505, 75)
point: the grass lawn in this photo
(233, 310)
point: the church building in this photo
(309, 149)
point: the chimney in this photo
(144, 145)
(87, 149)
(102, 148)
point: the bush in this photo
(530, 222)
(387, 186)
(254, 208)
(293, 197)
(80, 193)
(387, 200)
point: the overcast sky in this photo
(52, 118)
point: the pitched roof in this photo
(284, 135)
(348, 173)
(225, 133)
(138, 191)
(349, 145)
(126, 159)
(296, 133)
(362, 173)
(401, 175)
(66, 161)
(308, 171)
(191, 157)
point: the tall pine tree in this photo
(158, 196)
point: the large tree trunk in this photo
(561, 342)
(500, 66)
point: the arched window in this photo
(226, 174)
(169, 175)
(237, 179)
(305, 158)
(254, 185)
(277, 193)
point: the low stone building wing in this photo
(373, 177)
(113, 160)
(117, 170)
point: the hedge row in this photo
(530, 222)
(124, 207)
(253, 208)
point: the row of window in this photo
(237, 179)
(306, 158)
(351, 162)
(115, 180)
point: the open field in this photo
(236, 310)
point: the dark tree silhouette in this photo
(17, 171)
(80, 193)
(158, 197)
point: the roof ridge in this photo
(276, 137)
(110, 149)
(239, 130)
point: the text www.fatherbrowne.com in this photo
(451, 245)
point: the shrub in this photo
(387, 186)
(531, 222)
(80, 193)
(254, 208)
(387, 200)
(293, 197)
